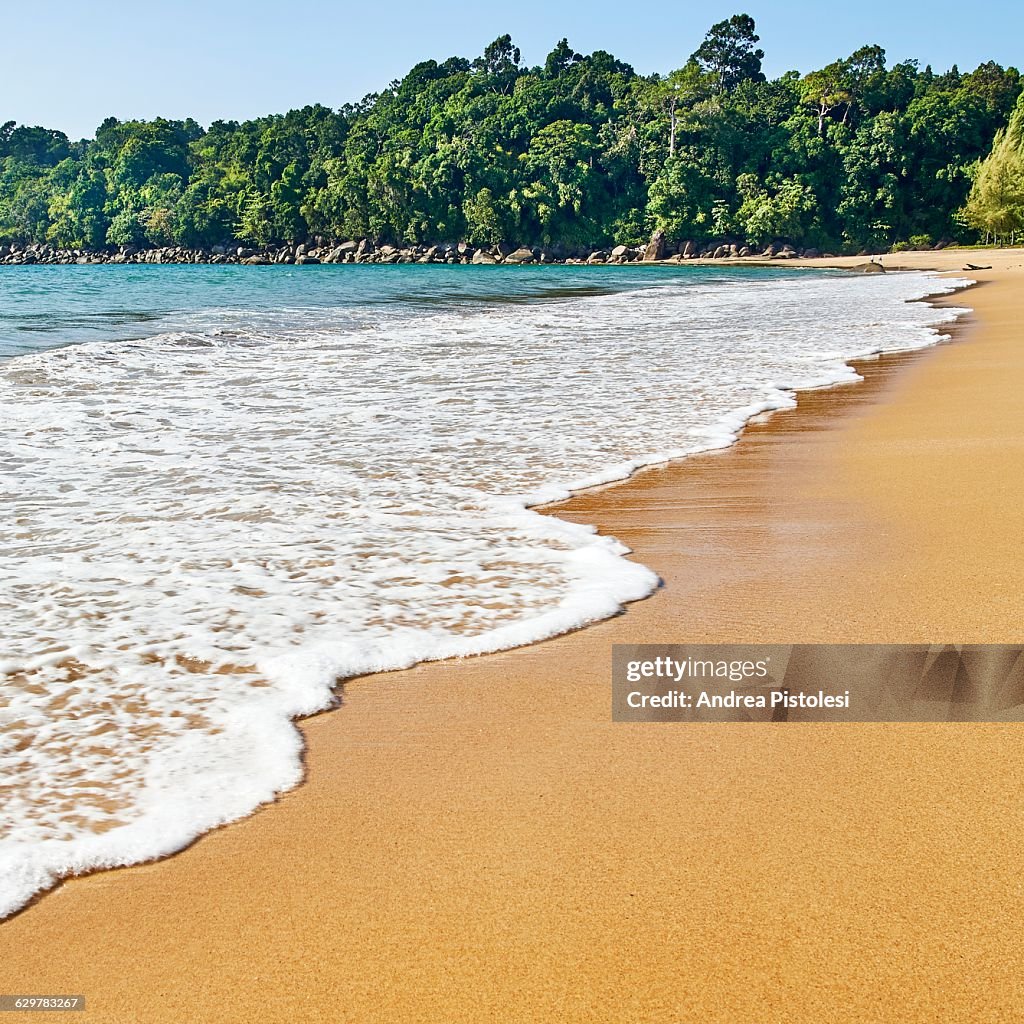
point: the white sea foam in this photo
(205, 530)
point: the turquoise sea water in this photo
(45, 307)
(223, 489)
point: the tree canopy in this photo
(580, 151)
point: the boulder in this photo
(600, 256)
(620, 250)
(306, 260)
(255, 261)
(483, 257)
(655, 247)
(522, 255)
(871, 268)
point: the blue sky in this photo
(70, 63)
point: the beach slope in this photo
(477, 841)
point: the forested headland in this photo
(577, 154)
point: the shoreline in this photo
(645, 507)
(633, 581)
(946, 332)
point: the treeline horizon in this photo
(580, 152)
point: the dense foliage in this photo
(580, 152)
(996, 203)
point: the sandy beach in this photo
(478, 841)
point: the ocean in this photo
(225, 489)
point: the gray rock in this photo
(655, 247)
(522, 255)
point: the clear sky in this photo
(67, 64)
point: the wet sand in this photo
(477, 841)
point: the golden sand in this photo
(477, 841)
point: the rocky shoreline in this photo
(658, 249)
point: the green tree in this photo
(783, 210)
(500, 63)
(730, 52)
(996, 201)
